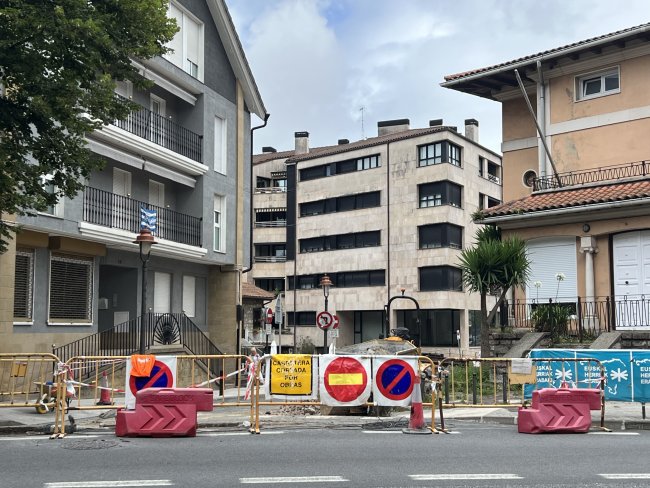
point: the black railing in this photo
(582, 177)
(584, 316)
(124, 339)
(162, 131)
(111, 210)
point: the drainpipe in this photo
(387, 318)
(250, 232)
(541, 116)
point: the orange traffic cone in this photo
(416, 422)
(105, 397)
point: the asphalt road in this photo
(474, 455)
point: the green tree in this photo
(493, 266)
(59, 60)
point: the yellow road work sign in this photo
(291, 374)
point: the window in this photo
(340, 204)
(187, 44)
(274, 285)
(301, 318)
(598, 84)
(440, 235)
(313, 173)
(56, 209)
(189, 295)
(440, 278)
(71, 289)
(219, 237)
(263, 182)
(437, 328)
(344, 279)
(24, 285)
(439, 193)
(340, 241)
(367, 163)
(220, 158)
(270, 253)
(339, 167)
(439, 152)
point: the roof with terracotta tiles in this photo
(590, 47)
(252, 291)
(572, 197)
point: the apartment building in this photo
(377, 216)
(74, 270)
(576, 187)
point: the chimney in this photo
(392, 126)
(269, 149)
(435, 123)
(302, 142)
(471, 129)
(344, 141)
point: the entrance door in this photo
(162, 292)
(121, 211)
(632, 278)
(158, 110)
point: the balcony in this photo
(586, 316)
(637, 169)
(162, 131)
(270, 259)
(115, 211)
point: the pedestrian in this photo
(252, 363)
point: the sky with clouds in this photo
(318, 62)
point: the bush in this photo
(552, 318)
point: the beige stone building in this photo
(583, 204)
(377, 216)
(73, 271)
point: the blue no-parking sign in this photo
(394, 381)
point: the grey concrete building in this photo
(74, 271)
(378, 216)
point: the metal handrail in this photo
(582, 177)
(163, 131)
(111, 210)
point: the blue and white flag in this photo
(148, 219)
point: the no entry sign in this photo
(344, 380)
(394, 382)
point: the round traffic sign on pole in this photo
(395, 379)
(269, 316)
(335, 322)
(161, 377)
(324, 320)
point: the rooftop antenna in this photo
(363, 133)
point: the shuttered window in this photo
(24, 286)
(71, 289)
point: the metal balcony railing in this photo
(585, 316)
(110, 210)
(271, 223)
(164, 132)
(270, 259)
(582, 177)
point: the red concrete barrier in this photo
(164, 412)
(559, 410)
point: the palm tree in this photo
(493, 265)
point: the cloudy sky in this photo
(335, 68)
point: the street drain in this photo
(87, 444)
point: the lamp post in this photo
(325, 284)
(145, 240)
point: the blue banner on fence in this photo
(148, 219)
(627, 371)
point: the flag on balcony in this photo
(148, 219)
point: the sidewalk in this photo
(618, 416)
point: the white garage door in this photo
(632, 278)
(550, 256)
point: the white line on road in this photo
(219, 434)
(41, 438)
(381, 431)
(613, 433)
(626, 476)
(293, 479)
(470, 476)
(108, 484)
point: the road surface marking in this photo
(381, 431)
(626, 476)
(472, 476)
(219, 434)
(613, 433)
(41, 437)
(108, 484)
(293, 479)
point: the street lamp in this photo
(325, 284)
(145, 240)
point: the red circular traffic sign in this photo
(345, 379)
(161, 377)
(324, 320)
(395, 379)
(335, 322)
